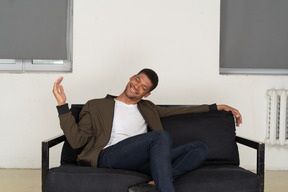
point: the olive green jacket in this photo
(95, 124)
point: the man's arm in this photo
(76, 134)
(235, 112)
(163, 111)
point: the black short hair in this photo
(152, 75)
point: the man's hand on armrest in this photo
(235, 112)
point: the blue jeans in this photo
(151, 153)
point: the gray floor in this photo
(29, 180)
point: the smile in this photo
(133, 89)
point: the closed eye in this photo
(144, 87)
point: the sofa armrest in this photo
(46, 145)
(260, 147)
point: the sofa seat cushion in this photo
(218, 178)
(208, 178)
(75, 178)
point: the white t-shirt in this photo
(127, 122)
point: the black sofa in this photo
(220, 172)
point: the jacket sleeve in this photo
(76, 134)
(165, 111)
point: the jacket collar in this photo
(110, 97)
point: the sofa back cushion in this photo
(216, 129)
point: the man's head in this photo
(140, 86)
(153, 77)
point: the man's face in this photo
(138, 87)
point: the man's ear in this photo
(147, 94)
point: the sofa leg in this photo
(261, 165)
(45, 163)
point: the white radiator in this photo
(277, 123)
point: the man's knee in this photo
(163, 136)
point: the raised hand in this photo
(58, 92)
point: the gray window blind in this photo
(254, 36)
(33, 29)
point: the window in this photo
(36, 35)
(254, 37)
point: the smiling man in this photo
(138, 87)
(114, 131)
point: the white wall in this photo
(112, 41)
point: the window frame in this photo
(23, 66)
(227, 66)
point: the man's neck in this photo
(123, 98)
